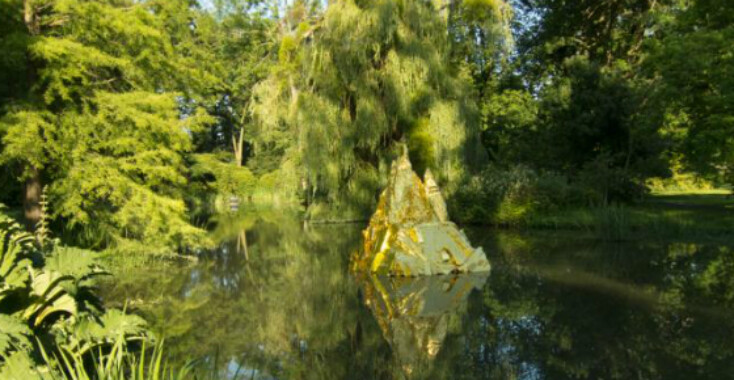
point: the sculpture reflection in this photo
(415, 313)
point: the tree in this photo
(354, 82)
(480, 36)
(575, 100)
(106, 120)
(693, 70)
(241, 41)
(605, 31)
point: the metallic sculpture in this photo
(410, 234)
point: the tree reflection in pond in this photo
(555, 306)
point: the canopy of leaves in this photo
(694, 63)
(352, 83)
(103, 120)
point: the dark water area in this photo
(554, 306)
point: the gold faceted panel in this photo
(410, 234)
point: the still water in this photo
(276, 301)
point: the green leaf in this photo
(13, 335)
(21, 366)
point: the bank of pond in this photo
(275, 299)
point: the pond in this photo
(276, 301)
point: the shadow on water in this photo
(555, 306)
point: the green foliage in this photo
(123, 182)
(481, 38)
(222, 179)
(15, 336)
(511, 196)
(43, 234)
(576, 102)
(680, 183)
(242, 45)
(14, 41)
(48, 307)
(586, 123)
(592, 118)
(229, 179)
(603, 31)
(509, 122)
(120, 363)
(350, 85)
(106, 118)
(117, 364)
(421, 144)
(692, 66)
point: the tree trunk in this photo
(238, 145)
(30, 18)
(32, 198)
(32, 194)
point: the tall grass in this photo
(612, 222)
(117, 364)
(714, 222)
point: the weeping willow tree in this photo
(353, 84)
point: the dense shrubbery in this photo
(679, 182)
(51, 323)
(512, 196)
(508, 196)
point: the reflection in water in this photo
(554, 307)
(242, 244)
(414, 313)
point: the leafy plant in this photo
(119, 363)
(50, 314)
(509, 196)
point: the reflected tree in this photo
(554, 306)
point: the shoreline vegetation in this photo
(131, 129)
(698, 215)
(704, 214)
(543, 122)
(53, 325)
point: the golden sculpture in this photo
(410, 234)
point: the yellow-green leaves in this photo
(366, 75)
(110, 115)
(15, 264)
(126, 173)
(53, 315)
(23, 138)
(72, 69)
(229, 179)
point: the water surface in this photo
(276, 300)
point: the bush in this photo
(224, 177)
(601, 183)
(49, 314)
(679, 182)
(509, 196)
